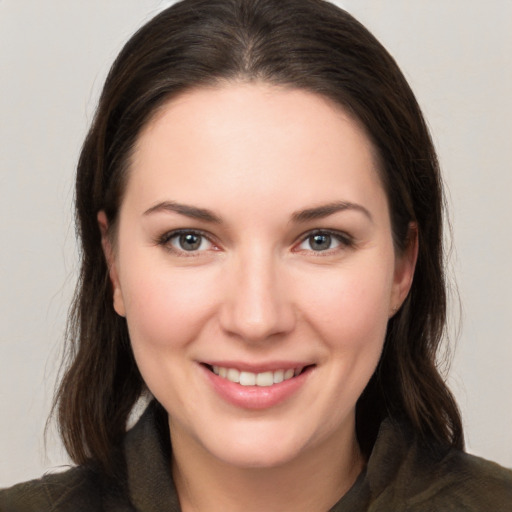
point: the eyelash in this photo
(345, 240)
(166, 238)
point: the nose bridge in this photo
(257, 306)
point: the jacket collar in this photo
(148, 462)
(151, 488)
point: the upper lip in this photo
(270, 366)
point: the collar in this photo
(148, 455)
(151, 487)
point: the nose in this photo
(256, 305)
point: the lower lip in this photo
(255, 397)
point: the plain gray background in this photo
(54, 56)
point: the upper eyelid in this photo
(339, 235)
(345, 241)
(165, 239)
(181, 231)
(319, 231)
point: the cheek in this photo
(349, 313)
(166, 308)
(166, 312)
(349, 305)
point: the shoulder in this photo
(74, 490)
(455, 480)
(471, 483)
(140, 474)
(405, 474)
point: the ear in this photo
(108, 251)
(405, 263)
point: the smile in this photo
(256, 387)
(263, 379)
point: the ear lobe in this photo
(405, 264)
(108, 251)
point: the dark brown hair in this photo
(306, 44)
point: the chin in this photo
(257, 446)
(256, 456)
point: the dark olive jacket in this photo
(400, 476)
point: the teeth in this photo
(246, 379)
(263, 379)
(234, 375)
(278, 376)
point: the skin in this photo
(257, 289)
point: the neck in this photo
(313, 481)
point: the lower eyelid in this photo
(166, 240)
(342, 240)
(176, 239)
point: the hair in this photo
(306, 44)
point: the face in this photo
(255, 266)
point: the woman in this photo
(260, 211)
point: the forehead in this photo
(253, 141)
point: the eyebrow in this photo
(325, 210)
(301, 216)
(184, 209)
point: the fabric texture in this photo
(401, 475)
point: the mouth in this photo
(261, 379)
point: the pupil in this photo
(190, 242)
(320, 242)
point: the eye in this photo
(186, 241)
(320, 241)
